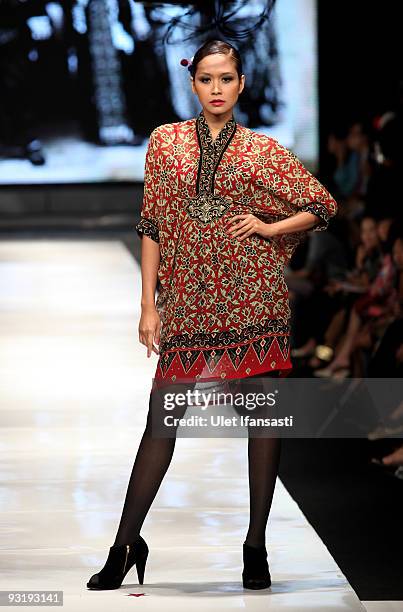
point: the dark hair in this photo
(216, 46)
(367, 216)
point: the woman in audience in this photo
(325, 310)
(373, 312)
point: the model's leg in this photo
(152, 461)
(263, 463)
(264, 458)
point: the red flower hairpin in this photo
(185, 62)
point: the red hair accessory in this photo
(186, 62)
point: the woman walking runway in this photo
(224, 209)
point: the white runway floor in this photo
(74, 396)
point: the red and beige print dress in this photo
(223, 302)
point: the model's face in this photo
(216, 79)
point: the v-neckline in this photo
(223, 136)
(211, 152)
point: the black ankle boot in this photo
(256, 574)
(120, 560)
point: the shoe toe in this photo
(257, 583)
(93, 581)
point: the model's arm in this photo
(150, 323)
(148, 230)
(289, 180)
(306, 201)
(150, 260)
(300, 222)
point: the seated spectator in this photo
(332, 296)
(372, 314)
(349, 151)
(326, 260)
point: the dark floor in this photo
(355, 508)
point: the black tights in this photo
(154, 457)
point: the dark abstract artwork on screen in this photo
(108, 71)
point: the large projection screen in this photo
(84, 82)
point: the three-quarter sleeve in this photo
(288, 179)
(149, 221)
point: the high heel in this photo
(256, 574)
(121, 559)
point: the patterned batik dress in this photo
(223, 302)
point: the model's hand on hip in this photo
(247, 224)
(149, 329)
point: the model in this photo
(224, 209)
